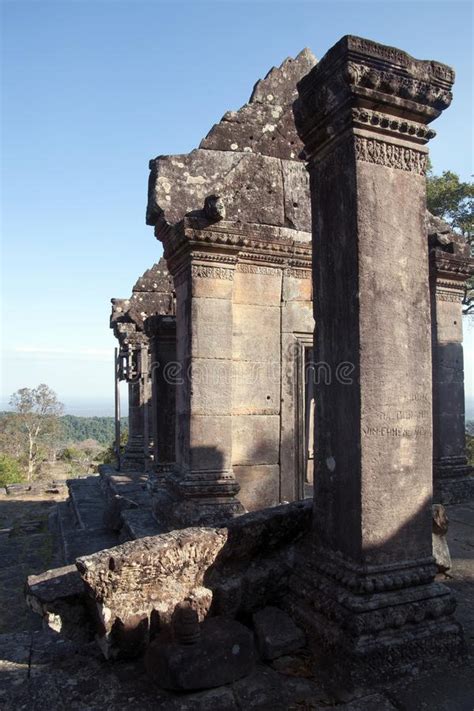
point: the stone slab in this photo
(257, 285)
(259, 485)
(297, 288)
(256, 387)
(297, 317)
(210, 384)
(211, 335)
(256, 333)
(255, 439)
(276, 633)
(212, 281)
(223, 653)
(210, 442)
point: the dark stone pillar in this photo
(136, 455)
(365, 586)
(162, 333)
(451, 266)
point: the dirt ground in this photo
(27, 546)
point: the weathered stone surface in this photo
(297, 286)
(276, 633)
(450, 267)
(259, 485)
(136, 586)
(211, 335)
(297, 317)
(243, 158)
(255, 439)
(180, 184)
(253, 287)
(440, 543)
(256, 388)
(366, 582)
(256, 332)
(265, 125)
(42, 670)
(233, 217)
(222, 653)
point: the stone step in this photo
(138, 523)
(84, 542)
(66, 517)
(87, 501)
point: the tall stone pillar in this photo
(162, 333)
(365, 586)
(137, 449)
(203, 487)
(451, 266)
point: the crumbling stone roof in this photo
(250, 159)
(442, 236)
(265, 125)
(152, 295)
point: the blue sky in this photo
(92, 90)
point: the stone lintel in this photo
(193, 241)
(451, 270)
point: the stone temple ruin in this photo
(308, 201)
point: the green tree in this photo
(10, 470)
(35, 420)
(452, 200)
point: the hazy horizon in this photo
(90, 93)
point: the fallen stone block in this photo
(58, 596)
(276, 633)
(128, 593)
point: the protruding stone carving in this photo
(214, 208)
(365, 586)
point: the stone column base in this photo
(134, 455)
(372, 626)
(207, 498)
(453, 481)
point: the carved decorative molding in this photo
(386, 88)
(399, 126)
(448, 296)
(210, 257)
(460, 268)
(257, 269)
(204, 272)
(380, 578)
(298, 273)
(374, 150)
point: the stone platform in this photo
(40, 669)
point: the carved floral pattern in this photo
(372, 150)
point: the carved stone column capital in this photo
(362, 85)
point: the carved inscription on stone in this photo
(409, 419)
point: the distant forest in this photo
(78, 429)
